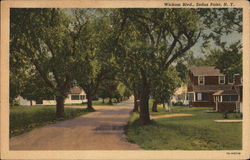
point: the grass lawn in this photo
(26, 118)
(197, 132)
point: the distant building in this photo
(75, 96)
(180, 96)
(208, 87)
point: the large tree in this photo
(154, 38)
(48, 39)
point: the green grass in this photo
(26, 118)
(198, 132)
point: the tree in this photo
(123, 91)
(102, 93)
(228, 60)
(182, 71)
(154, 38)
(218, 23)
(48, 40)
(35, 89)
(17, 77)
(163, 87)
(94, 63)
(110, 88)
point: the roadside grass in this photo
(26, 118)
(197, 132)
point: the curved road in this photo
(100, 130)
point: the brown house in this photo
(208, 87)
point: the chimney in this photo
(237, 79)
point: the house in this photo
(180, 96)
(76, 96)
(208, 87)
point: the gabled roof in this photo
(75, 90)
(205, 71)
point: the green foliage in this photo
(218, 23)
(102, 92)
(164, 85)
(227, 59)
(45, 39)
(123, 90)
(113, 89)
(26, 118)
(198, 132)
(182, 71)
(35, 89)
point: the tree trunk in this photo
(144, 97)
(136, 102)
(144, 109)
(31, 103)
(110, 101)
(103, 100)
(59, 106)
(89, 103)
(154, 108)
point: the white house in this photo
(180, 95)
(75, 96)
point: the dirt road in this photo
(100, 130)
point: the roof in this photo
(75, 90)
(205, 71)
(225, 92)
(211, 88)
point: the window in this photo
(190, 96)
(82, 97)
(201, 80)
(202, 96)
(221, 79)
(39, 101)
(205, 96)
(229, 98)
(199, 96)
(75, 97)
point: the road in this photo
(100, 130)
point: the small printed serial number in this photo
(233, 153)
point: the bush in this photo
(232, 115)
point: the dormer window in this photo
(221, 79)
(201, 80)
